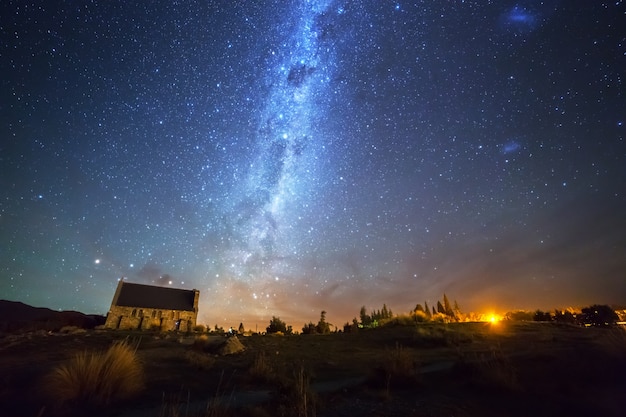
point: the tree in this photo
(277, 325)
(427, 310)
(542, 316)
(457, 311)
(564, 317)
(447, 307)
(418, 307)
(519, 315)
(384, 314)
(419, 316)
(351, 328)
(241, 329)
(322, 326)
(599, 315)
(440, 308)
(366, 320)
(309, 328)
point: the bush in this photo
(98, 378)
(599, 315)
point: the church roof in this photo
(149, 296)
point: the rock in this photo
(231, 346)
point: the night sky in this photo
(289, 157)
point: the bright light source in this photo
(494, 318)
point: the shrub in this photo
(96, 378)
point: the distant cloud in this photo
(152, 274)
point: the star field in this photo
(290, 157)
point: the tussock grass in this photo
(491, 370)
(200, 360)
(261, 368)
(292, 392)
(179, 405)
(295, 397)
(96, 378)
(201, 342)
(397, 369)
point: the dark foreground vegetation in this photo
(423, 369)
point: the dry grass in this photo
(538, 368)
(96, 378)
(613, 343)
(261, 368)
(200, 360)
(397, 369)
(400, 364)
(303, 398)
(72, 330)
(295, 397)
(180, 405)
(428, 335)
(201, 342)
(492, 370)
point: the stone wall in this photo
(130, 318)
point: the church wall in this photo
(130, 318)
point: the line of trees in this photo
(594, 315)
(444, 312)
(322, 327)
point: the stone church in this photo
(139, 306)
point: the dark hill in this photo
(17, 317)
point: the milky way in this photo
(290, 157)
(271, 208)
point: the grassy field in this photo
(465, 369)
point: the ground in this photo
(464, 369)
